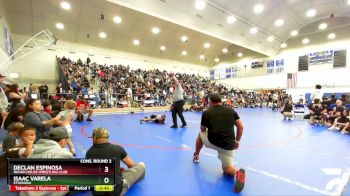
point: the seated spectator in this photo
(34, 117)
(316, 113)
(53, 147)
(102, 149)
(341, 122)
(15, 96)
(10, 140)
(159, 119)
(16, 115)
(82, 108)
(56, 108)
(287, 109)
(47, 107)
(337, 111)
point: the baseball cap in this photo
(58, 133)
(2, 75)
(216, 97)
(100, 132)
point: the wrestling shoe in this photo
(195, 158)
(239, 180)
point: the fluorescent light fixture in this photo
(207, 45)
(201, 56)
(270, 39)
(279, 22)
(216, 60)
(200, 4)
(102, 35)
(162, 48)
(184, 53)
(283, 45)
(311, 13)
(65, 5)
(224, 50)
(305, 41)
(240, 54)
(258, 8)
(59, 26)
(117, 19)
(136, 42)
(294, 33)
(331, 36)
(253, 30)
(155, 30)
(184, 38)
(230, 19)
(323, 26)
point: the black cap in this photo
(215, 97)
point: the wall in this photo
(317, 74)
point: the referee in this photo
(178, 104)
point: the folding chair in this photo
(299, 111)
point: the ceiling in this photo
(176, 18)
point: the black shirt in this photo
(109, 151)
(220, 121)
(12, 117)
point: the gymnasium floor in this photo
(280, 157)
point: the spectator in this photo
(3, 100)
(15, 96)
(47, 107)
(102, 149)
(66, 117)
(317, 94)
(10, 140)
(43, 90)
(217, 132)
(34, 117)
(341, 123)
(316, 113)
(287, 109)
(16, 115)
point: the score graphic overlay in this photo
(61, 175)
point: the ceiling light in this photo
(279, 22)
(216, 60)
(155, 30)
(348, 2)
(136, 42)
(270, 38)
(323, 26)
(253, 30)
(230, 19)
(311, 13)
(224, 50)
(162, 48)
(184, 52)
(65, 5)
(184, 38)
(60, 26)
(258, 8)
(201, 56)
(305, 41)
(331, 36)
(102, 35)
(207, 45)
(283, 45)
(294, 33)
(240, 54)
(200, 4)
(117, 19)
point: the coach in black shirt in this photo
(217, 132)
(102, 149)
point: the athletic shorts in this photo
(225, 156)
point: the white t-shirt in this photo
(317, 94)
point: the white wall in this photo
(324, 74)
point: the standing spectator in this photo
(16, 115)
(317, 94)
(43, 90)
(59, 90)
(3, 100)
(15, 96)
(217, 132)
(102, 149)
(34, 117)
(178, 103)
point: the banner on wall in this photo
(8, 42)
(279, 66)
(270, 66)
(212, 75)
(228, 73)
(222, 73)
(234, 72)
